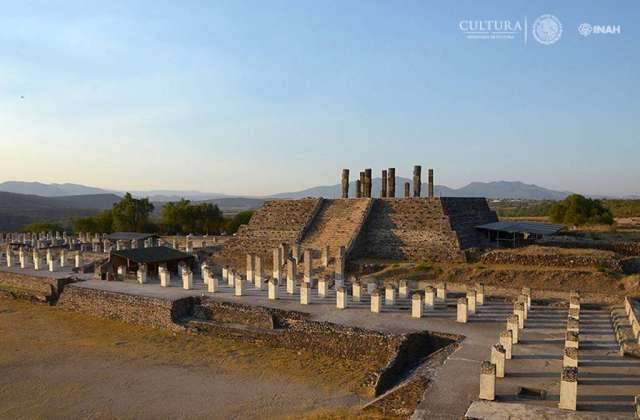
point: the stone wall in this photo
(423, 229)
(554, 257)
(34, 288)
(630, 249)
(162, 313)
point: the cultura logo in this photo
(547, 29)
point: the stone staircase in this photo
(336, 224)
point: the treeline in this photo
(180, 217)
(534, 208)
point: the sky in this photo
(261, 97)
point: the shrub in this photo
(579, 210)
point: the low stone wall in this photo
(230, 313)
(34, 288)
(630, 249)
(162, 313)
(555, 257)
(624, 331)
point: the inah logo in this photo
(585, 29)
(547, 29)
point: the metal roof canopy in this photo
(130, 236)
(157, 254)
(538, 228)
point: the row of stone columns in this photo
(387, 185)
(50, 262)
(468, 305)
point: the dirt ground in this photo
(57, 364)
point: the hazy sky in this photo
(259, 97)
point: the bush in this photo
(239, 219)
(579, 210)
(42, 227)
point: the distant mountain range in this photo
(498, 190)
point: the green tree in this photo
(38, 227)
(131, 214)
(579, 210)
(184, 217)
(100, 223)
(239, 219)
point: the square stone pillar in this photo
(574, 302)
(142, 274)
(358, 188)
(165, 276)
(383, 184)
(498, 357)
(441, 291)
(273, 289)
(239, 289)
(429, 299)
(51, 264)
(513, 325)
(9, 258)
(506, 341)
(204, 272)
(571, 340)
(291, 276)
(430, 190)
(225, 273)
(487, 381)
(518, 309)
(187, 279)
(417, 180)
(369, 181)
(471, 301)
(78, 259)
(341, 298)
(389, 295)
(305, 293)
(258, 273)
(372, 284)
(307, 266)
(391, 182)
(462, 314)
(276, 264)
(407, 190)
(345, 183)
(323, 287)
(416, 305)
(526, 291)
(570, 357)
(376, 301)
(250, 268)
(356, 291)
(573, 325)
(37, 261)
(295, 252)
(480, 294)
(568, 388)
(403, 289)
(339, 270)
(284, 253)
(231, 278)
(325, 256)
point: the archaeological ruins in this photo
(323, 275)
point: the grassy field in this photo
(59, 364)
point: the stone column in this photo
(284, 253)
(341, 298)
(165, 276)
(231, 278)
(487, 381)
(506, 341)
(273, 289)
(573, 325)
(429, 299)
(498, 356)
(363, 184)
(407, 190)
(276, 264)
(372, 284)
(417, 180)
(356, 291)
(518, 309)
(391, 183)
(250, 268)
(358, 188)
(291, 276)
(78, 259)
(225, 273)
(187, 279)
(376, 301)
(142, 274)
(416, 305)
(571, 339)
(258, 274)
(325, 256)
(471, 301)
(480, 294)
(345, 183)
(462, 311)
(204, 272)
(441, 291)
(430, 191)
(305, 293)
(527, 292)
(212, 284)
(339, 271)
(307, 266)
(323, 287)
(383, 184)
(574, 302)
(403, 289)
(523, 299)
(51, 264)
(9, 258)
(389, 295)
(513, 326)
(239, 286)
(295, 252)
(568, 388)
(369, 181)
(570, 358)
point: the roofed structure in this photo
(516, 233)
(130, 236)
